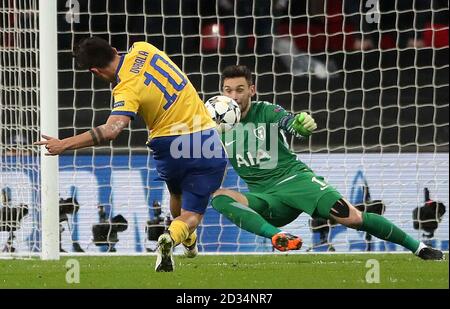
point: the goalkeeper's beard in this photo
(245, 108)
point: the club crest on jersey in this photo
(260, 133)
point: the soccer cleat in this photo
(428, 253)
(164, 251)
(286, 241)
(191, 251)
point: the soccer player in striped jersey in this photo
(280, 186)
(147, 83)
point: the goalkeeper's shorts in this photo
(283, 202)
(193, 174)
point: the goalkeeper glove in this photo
(304, 124)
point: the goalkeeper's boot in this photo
(428, 253)
(285, 241)
(191, 251)
(164, 251)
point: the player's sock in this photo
(243, 216)
(190, 240)
(190, 246)
(421, 246)
(179, 231)
(382, 228)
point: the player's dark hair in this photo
(233, 71)
(93, 52)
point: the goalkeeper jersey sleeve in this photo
(276, 114)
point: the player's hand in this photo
(304, 124)
(53, 145)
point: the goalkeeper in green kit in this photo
(280, 186)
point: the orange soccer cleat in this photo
(286, 241)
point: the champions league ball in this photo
(224, 111)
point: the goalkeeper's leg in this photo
(235, 206)
(346, 214)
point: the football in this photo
(224, 111)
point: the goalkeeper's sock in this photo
(243, 216)
(179, 231)
(188, 242)
(382, 228)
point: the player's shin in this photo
(382, 228)
(179, 231)
(243, 216)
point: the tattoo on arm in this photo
(101, 138)
(118, 126)
(97, 136)
(94, 136)
(111, 130)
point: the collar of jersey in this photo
(118, 68)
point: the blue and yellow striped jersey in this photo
(151, 85)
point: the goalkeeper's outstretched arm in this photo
(96, 136)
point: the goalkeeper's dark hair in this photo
(233, 71)
(93, 52)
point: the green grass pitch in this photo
(230, 271)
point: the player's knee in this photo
(340, 209)
(355, 218)
(235, 195)
(216, 199)
(218, 203)
(358, 219)
(346, 214)
(221, 192)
